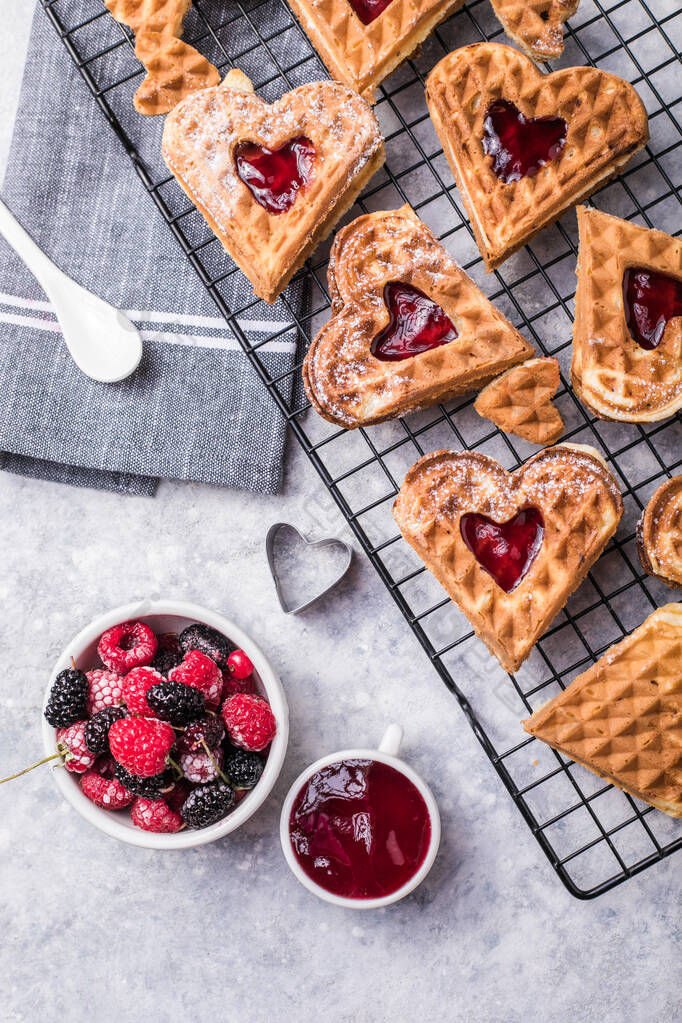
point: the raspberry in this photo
(249, 721)
(127, 646)
(243, 768)
(207, 804)
(97, 729)
(200, 672)
(135, 687)
(67, 701)
(141, 745)
(71, 745)
(155, 815)
(105, 690)
(151, 788)
(209, 730)
(232, 685)
(101, 786)
(239, 664)
(200, 767)
(208, 641)
(175, 702)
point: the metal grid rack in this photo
(594, 836)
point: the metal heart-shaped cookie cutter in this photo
(332, 541)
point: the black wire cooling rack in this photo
(594, 836)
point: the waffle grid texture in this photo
(611, 374)
(174, 68)
(536, 25)
(622, 718)
(520, 402)
(659, 533)
(581, 507)
(344, 382)
(607, 125)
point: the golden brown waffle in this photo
(520, 401)
(344, 381)
(174, 69)
(199, 140)
(622, 718)
(611, 374)
(607, 125)
(581, 507)
(363, 55)
(536, 25)
(659, 534)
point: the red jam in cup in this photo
(360, 829)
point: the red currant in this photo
(239, 664)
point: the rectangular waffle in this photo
(363, 55)
(622, 718)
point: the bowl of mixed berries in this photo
(170, 723)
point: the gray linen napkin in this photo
(195, 409)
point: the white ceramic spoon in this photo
(103, 342)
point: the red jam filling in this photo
(416, 324)
(368, 10)
(520, 147)
(506, 550)
(651, 299)
(275, 177)
(360, 829)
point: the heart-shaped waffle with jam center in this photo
(219, 140)
(363, 41)
(536, 25)
(174, 68)
(595, 123)
(346, 382)
(509, 548)
(659, 533)
(612, 372)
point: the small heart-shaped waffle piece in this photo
(174, 68)
(578, 503)
(520, 401)
(345, 381)
(606, 125)
(201, 140)
(622, 718)
(362, 47)
(659, 533)
(614, 376)
(536, 25)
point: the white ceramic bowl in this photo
(387, 753)
(171, 616)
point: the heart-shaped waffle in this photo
(605, 125)
(520, 401)
(174, 68)
(659, 533)
(202, 139)
(612, 374)
(345, 382)
(536, 25)
(448, 508)
(363, 54)
(622, 718)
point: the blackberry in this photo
(96, 732)
(176, 702)
(207, 641)
(209, 730)
(68, 697)
(148, 788)
(166, 660)
(243, 768)
(207, 804)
